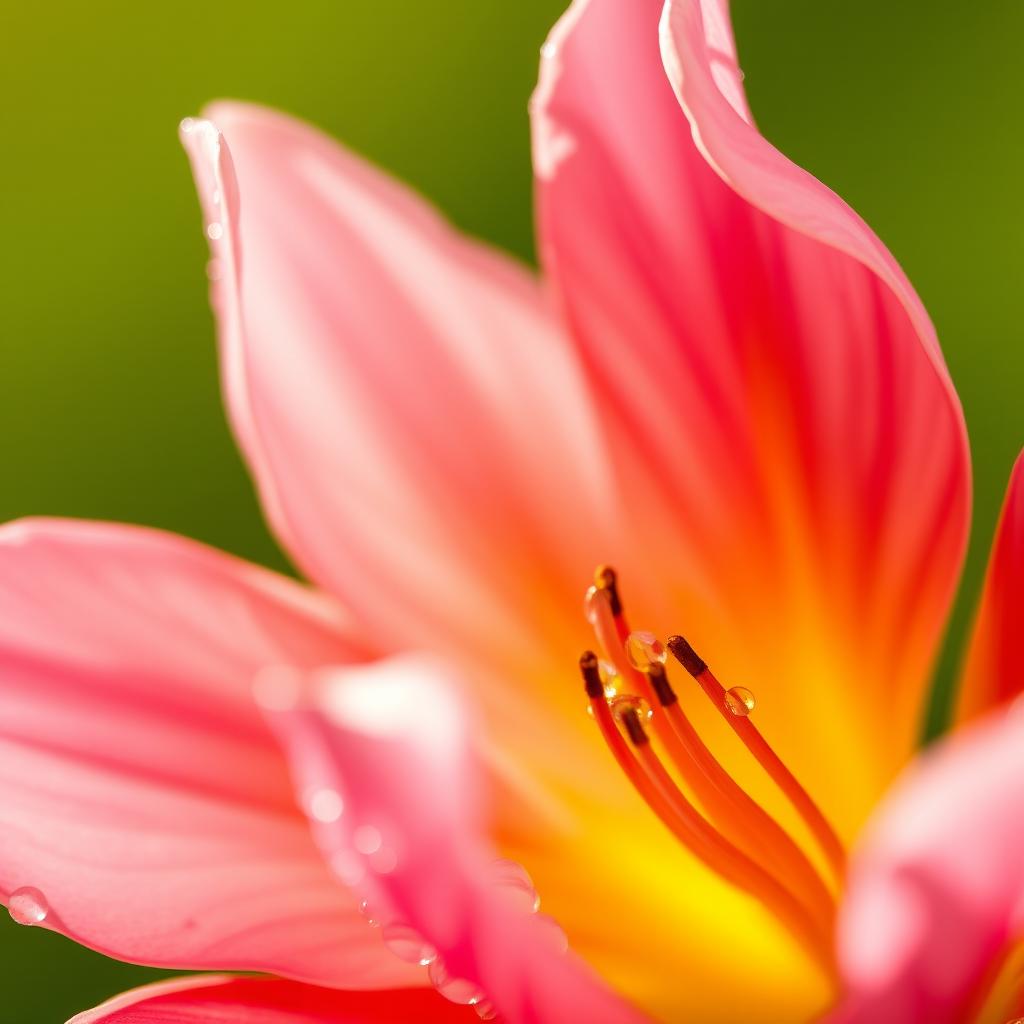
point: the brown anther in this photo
(591, 674)
(686, 655)
(662, 687)
(606, 578)
(630, 718)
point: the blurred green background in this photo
(110, 402)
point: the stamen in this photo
(747, 731)
(645, 771)
(728, 806)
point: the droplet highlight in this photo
(408, 945)
(630, 702)
(27, 906)
(214, 230)
(610, 677)
(370, 913)
(455, 990)
(514, 881)
(644, 649)
(740, 701)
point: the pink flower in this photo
(731, 393)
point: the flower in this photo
(729, 391)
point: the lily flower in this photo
(724, 387)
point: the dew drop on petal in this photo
(326, 805)
(514, 880)
(370, 913)
(548, 50)
(740, 701)
(27, 906)
(367, 839)
(187, 124)
(644, 649)
(630, 702)
(214, 270)
(455, 990)
(553, 933)
(408, 945)
(485, 1010)
(214, 230)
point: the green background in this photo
(109, 404)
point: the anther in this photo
(686, 655)
(605, 578)
(591, 671)
(631, 720)
(662, 687)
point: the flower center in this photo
(723, 826)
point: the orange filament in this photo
(737, 838)
(649, 777)
(799, 798)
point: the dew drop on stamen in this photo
(455, 990)
(610, 677)
(514, 880)
(27, 906)
(644, 649)
(740, 701)
(590, 606)
(408, 945)
(630, 702)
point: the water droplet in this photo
(383, 861)
(214, 270)
(370, 913)
(610, 677)
(367, 839)
(590, 604)
(28, 906)
(455, 990)
(408, 945)
(741, 74)
(187, 124)
(514, 880)
(548, 50)
(214, 230)
(626, 701)
(553, 933)
(485, 1010)
(326, 805)
(740, 701)
(644, 649)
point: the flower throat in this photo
(731, 833)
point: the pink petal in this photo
(936, 890)
(226, 1000)
(393, 740)
(144, 806)
(994, 672)
(414, 420)
(786, 434)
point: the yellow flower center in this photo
(722, 824)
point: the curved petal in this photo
(226, 1000)
(145, 809)
(994, 670)
(936, 893)
(393, 741)
(789, 444)
(414, 419)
